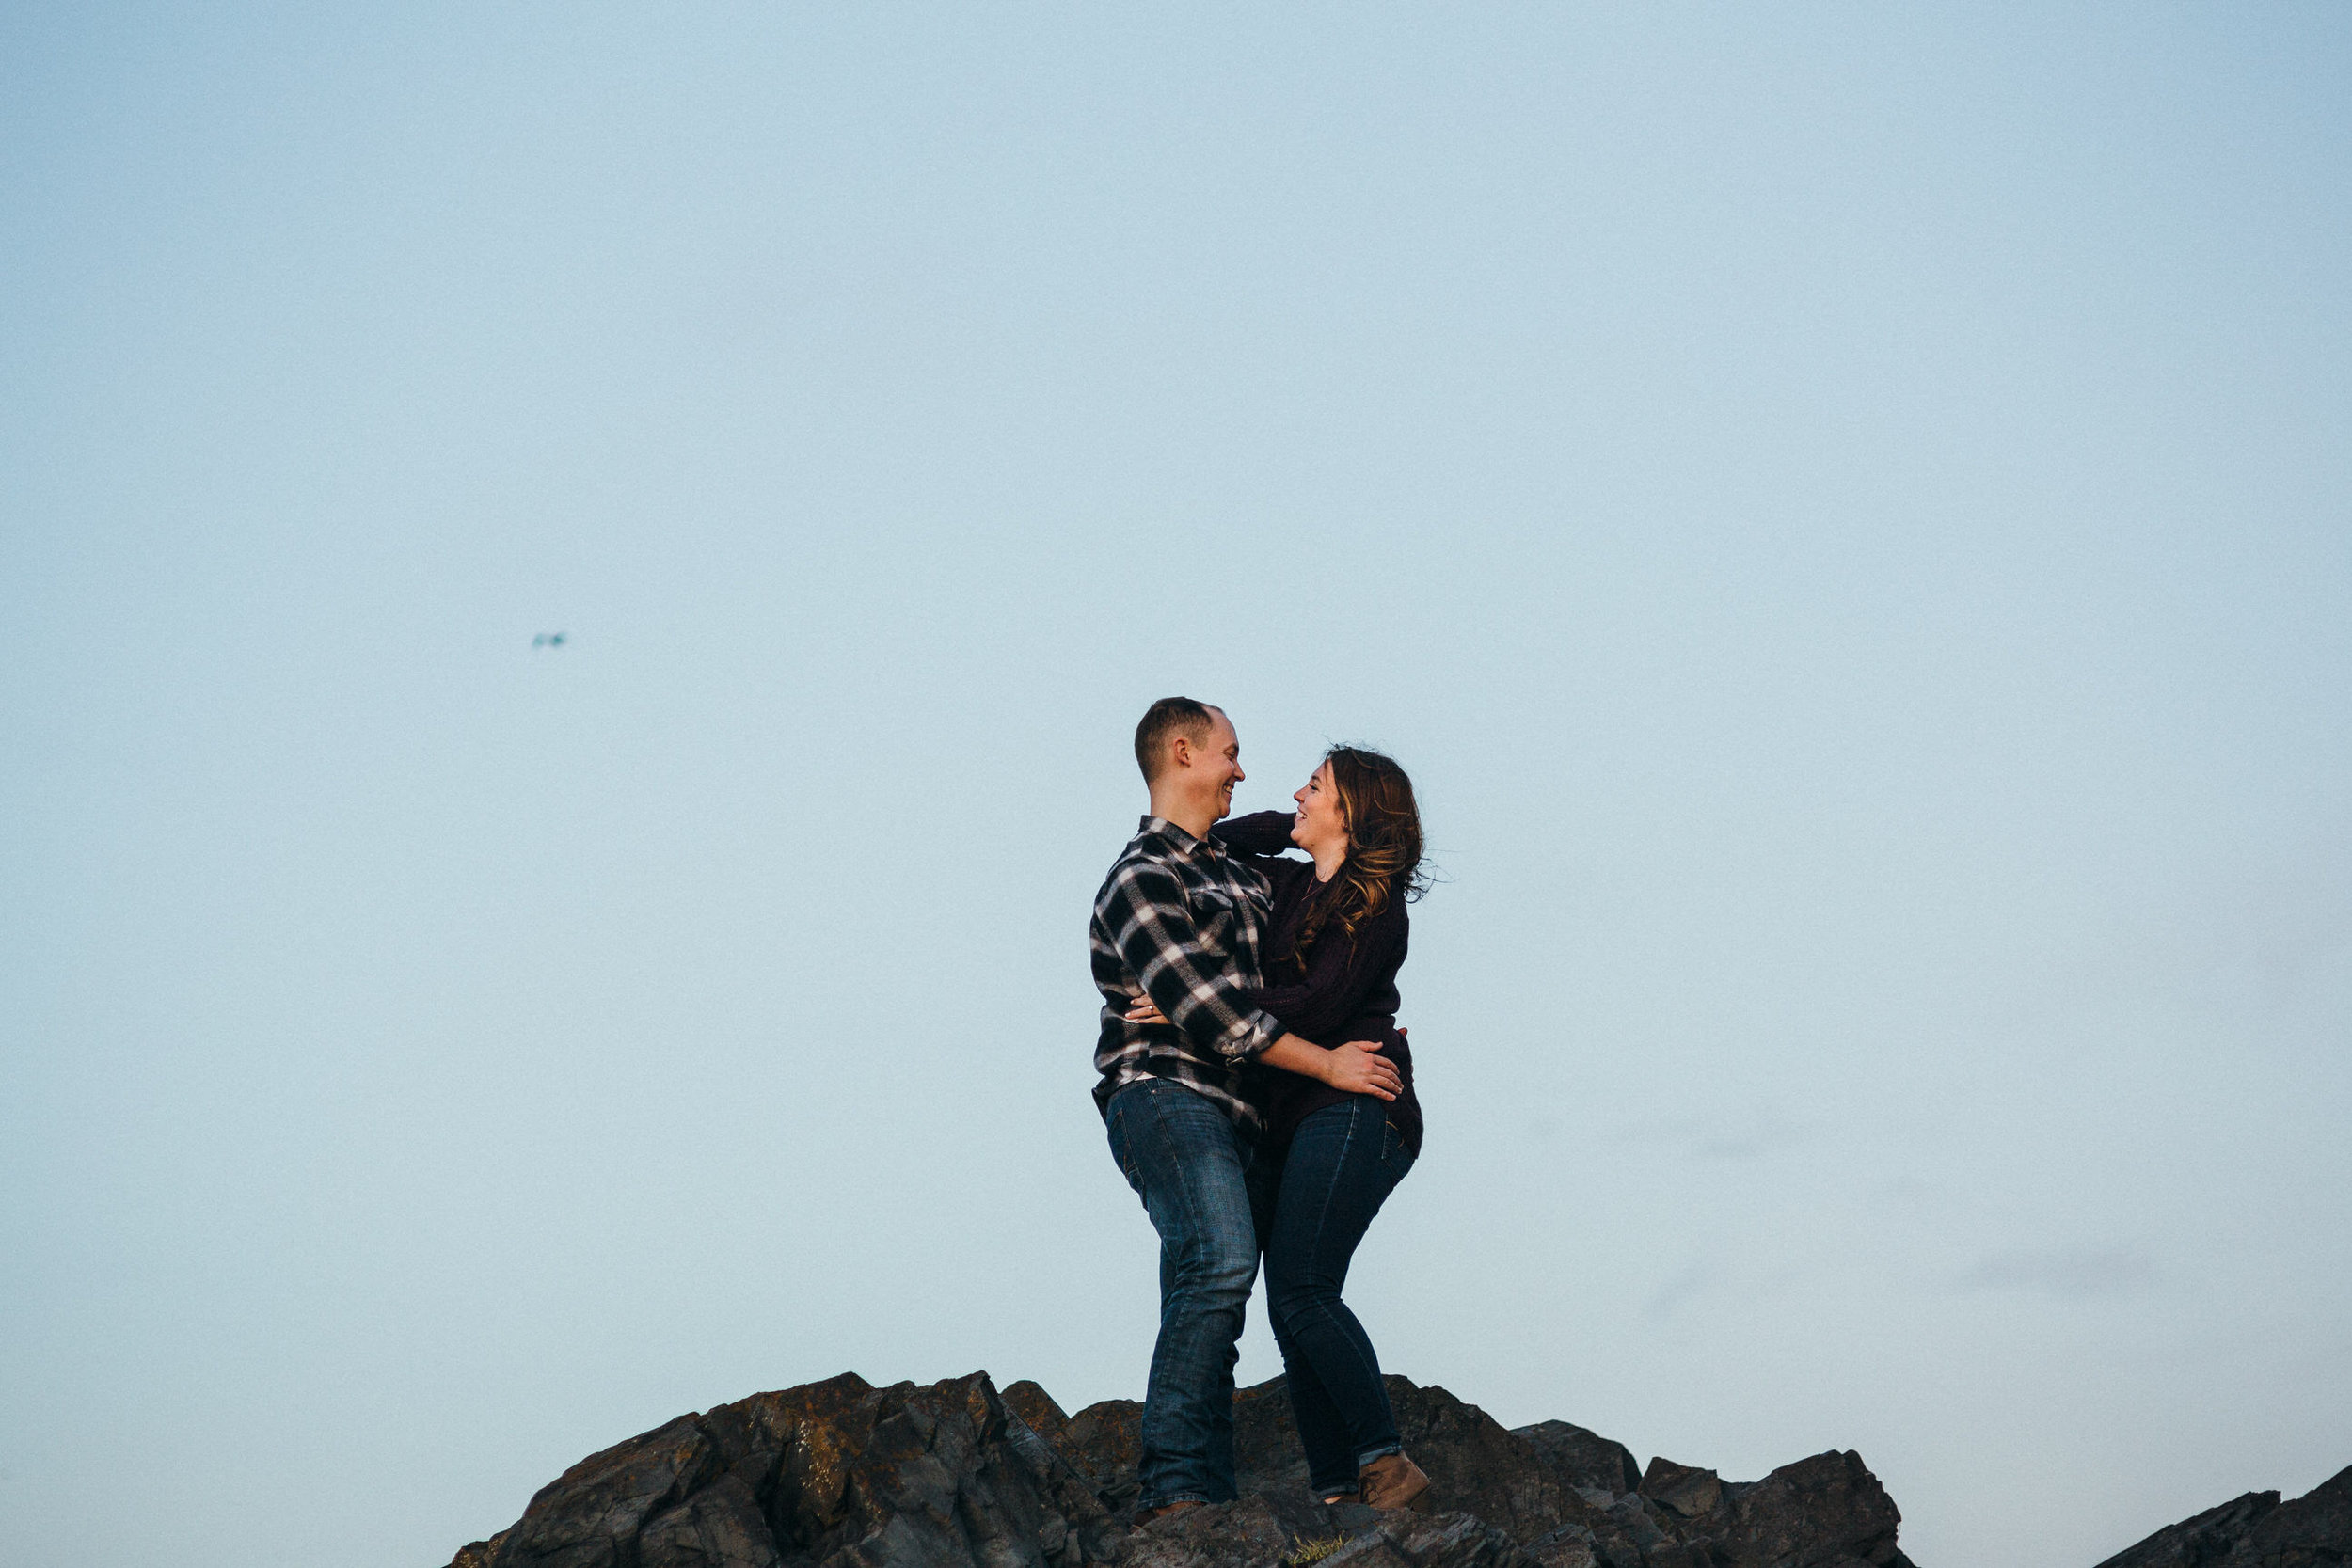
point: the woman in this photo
(1335, 1147)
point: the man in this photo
(1177, 919)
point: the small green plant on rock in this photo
(1313, 1549)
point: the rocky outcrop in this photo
(841, 1474)
(2256, 1530)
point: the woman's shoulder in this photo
(1387, 929)
(1372, 933)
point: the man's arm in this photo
(1150, 925)
(1354, 1068)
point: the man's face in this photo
(1214, 765)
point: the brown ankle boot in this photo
(1393, 1481)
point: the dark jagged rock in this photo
(1583, 1461)
(719, 1527)
(1689, 1492)
(1036, 1408)
(838, 1473)
(841, 1474)
(590, 1517)
(2200, 1539)
(1101, 1442)
(2256, 1530)
(1474, 1465)
(2315, 1529)
(1400, 1540)
(1826, 1511)
(1244, 1534)
(477, 1554)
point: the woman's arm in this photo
(1262, 833)
(1356, 1068)
(1351, 1069)
(1341, 977)
(1341, 974)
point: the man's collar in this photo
(1182, 840)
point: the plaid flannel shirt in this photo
(1179, 918)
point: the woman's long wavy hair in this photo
(1384, 845)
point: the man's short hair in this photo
(1163, 719)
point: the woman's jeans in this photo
(1311, 1210)
(1185, 1161)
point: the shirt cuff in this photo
(1253, 1034)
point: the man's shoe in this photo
(1145, 1515)
(1393, 1481)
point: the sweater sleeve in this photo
(1262, 833)
(1341, 974)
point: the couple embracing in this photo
(1258, 1092)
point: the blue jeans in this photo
(1185, 1161)
(1312, 1208)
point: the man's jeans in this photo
(1313, 1207)
(1185, 1161)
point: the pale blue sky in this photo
(1842, 508)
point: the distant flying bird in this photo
(548, 640)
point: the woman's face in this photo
(1320, 823)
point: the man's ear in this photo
(1180, 751)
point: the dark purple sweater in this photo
(1344, 989)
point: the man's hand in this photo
(1357, 1068)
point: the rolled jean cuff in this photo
(1146, 1504)
(1381, 1453)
